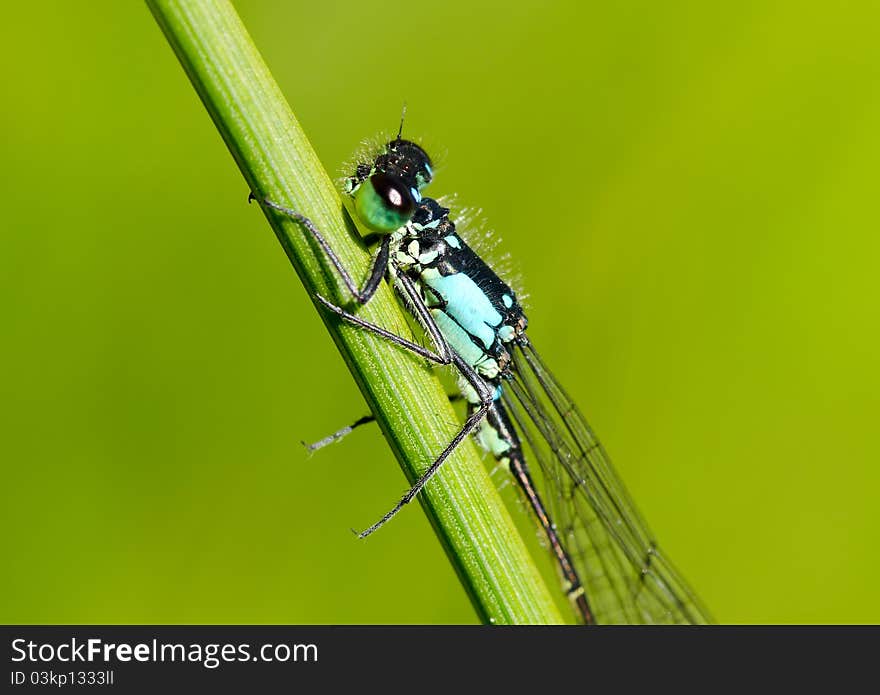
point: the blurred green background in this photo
(688, 189)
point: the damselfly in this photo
(610, 565)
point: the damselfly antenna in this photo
(402, 116)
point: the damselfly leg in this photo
(444, 356)
(361, 421)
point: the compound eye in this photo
(384, 203)
(393, 193)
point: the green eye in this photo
(384, 203)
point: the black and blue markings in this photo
(610, 566)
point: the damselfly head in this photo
(386, 192)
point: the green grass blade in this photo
(278, 162)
